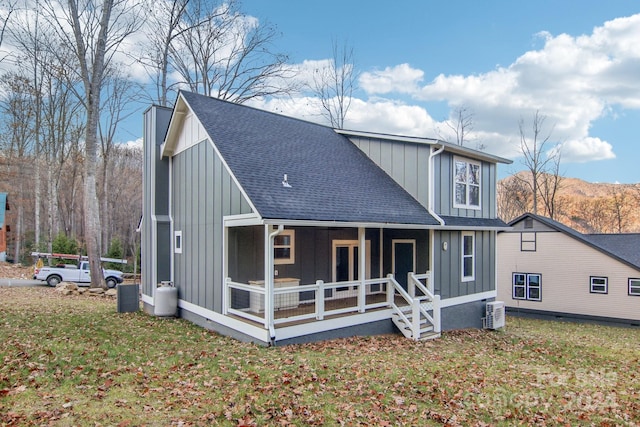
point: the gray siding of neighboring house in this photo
(443, 203)
(448, 274)
(406, 162)
(537, 226)
(203, 192)
(155, 264)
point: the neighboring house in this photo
(546, 268)
(278, 230)
(4, 228)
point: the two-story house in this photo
(278, 230)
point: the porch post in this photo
(269, 238)
(268, 277)
(362, 270)
(225, 269)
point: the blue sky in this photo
(577, 62)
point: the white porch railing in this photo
(416, 310)
(315, 302)
(298, 303)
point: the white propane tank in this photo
(166, 300)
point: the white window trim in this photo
(526, 286)
(467, 205)
(528, 290)
(523, 286)
(636, 285)
(606, 285)
(292, 248)
(472, 256)
(178, 243)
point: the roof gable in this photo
(329, 178)
(623, 247)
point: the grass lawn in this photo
(75, 361)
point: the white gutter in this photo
(268, 279)
(432, 187)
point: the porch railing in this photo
(305, 302)
(415, 309)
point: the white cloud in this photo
(386, 116)
(587, 149)
(573, 81)
(401, 78)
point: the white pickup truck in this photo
(75, 273)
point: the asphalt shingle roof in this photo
(625, 246)
(330, 178)
(459, 221)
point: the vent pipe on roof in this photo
(285, 182)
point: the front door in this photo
(404, 260)
(346, 265)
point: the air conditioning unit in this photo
(495, 314)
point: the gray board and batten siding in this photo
(156, 225)
(313, 257)
(203, 193)
(407, 162)
(447, 269)
(444, 173)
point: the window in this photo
(468, 257)
(599, 285)
(634, 287)
(527, 242)
(177, 242)
(527, 286)
(284, 248)
(467, 184)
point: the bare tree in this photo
(537, 155)
(596, 215)
(334, 84)
(120, 91)
(7, 8)
(621, 207)
(514, 198)
(550, 186)
(220, 52)
(18, 113)
(97, 30)
(461, 124)
(164, 24)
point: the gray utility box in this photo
(128, 298)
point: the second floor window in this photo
(466, 184)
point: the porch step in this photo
(426, 329)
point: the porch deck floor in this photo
(330, 305)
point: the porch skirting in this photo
(462, 316)
(376, 323)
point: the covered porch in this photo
(297, 279)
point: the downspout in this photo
(432, 185)
(432, 192)
(268, 280)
